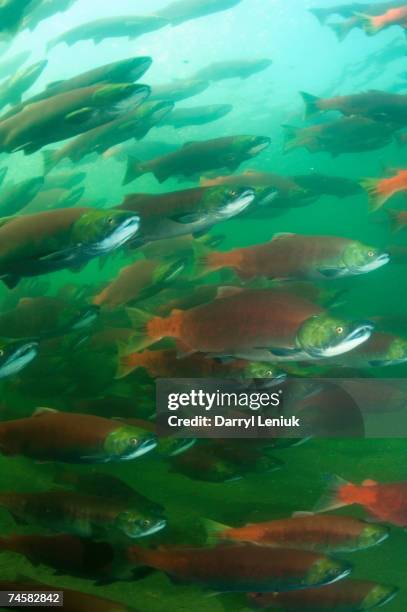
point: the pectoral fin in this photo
(57, 256)
(330, 272)
(186, 218)
(285, 352)
(79, 116)
(11, 280)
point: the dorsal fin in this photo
(41, 410)
(369, 483)
(223, 292)
(282, 235)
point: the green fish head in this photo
(101, 231)
(262, 64)
(172, 447)
(16, 355)
(250, 146)
(325, 336)
(371, 535)
(85, 317)
(359, 258)
(225, 203)
(326, 570)
(379, 595)
(395, 355)
(137, 67)
(136, 525)
(154, 111)
(258, 369)
(266, 464)
(121, 96)
(128, 442)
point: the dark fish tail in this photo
(290, 137)
(311, 103)
(49, 160)
(376, 199)
(340, 29)
(330, 499)
(394, 219)
(134, 169)
(320, 13)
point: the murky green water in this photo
(306, 56)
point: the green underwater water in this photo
(306, 56)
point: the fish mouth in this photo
(135, 97)
(74, 196)
(162, 111)
(87, 317)
(19, 355)
(380, 261)
(140, 66)
(223, 110)
(120, 235)
(383, 363)
(145, 446)
(182, 446)
(243, 199)
(36, 68)
(267, 196)
(380, 595)
(157, 526)
(358, 335)
(267, 383)
(261, 144)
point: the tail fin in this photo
(368, 24)
(214, 531)
(290, 137)
(394, 219)
(330, 499)
(212, 262)
(340, 29)
(376, 199)
(134, 169)
(206, 260)
(49, 160)
(311, 104)
(127, 361)
(320, 13)
(141, 338)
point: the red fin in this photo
(330, 499)
(183, 350)
(369, 483)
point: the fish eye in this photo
(269, 373)
(370, 253)
(133, 441)
(339, 329)
(110, 220)
(232, 193)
